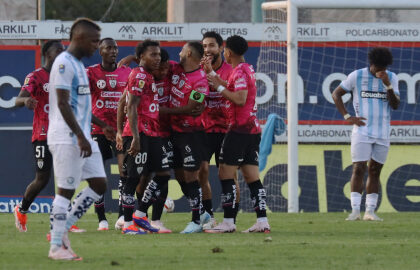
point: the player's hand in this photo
(119, 141)
(109, 133)
(358, 121)
(30, 103)
(215, 81)
(196, 111)
(206, 64)
(384, 77)
(134, 147)
(126, 61)
(84, 145)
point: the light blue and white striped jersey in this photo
(68, 73)
(370, 101)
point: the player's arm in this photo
(133, 103)
(108, 131)
(337, 95)
(24, 99)
(393, 99)
(237, 97)
(126, 61)
(63, 97)
(120, 119)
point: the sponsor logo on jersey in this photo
(176, 92)
(111, 94)
(101, 84)
(83, 90)
(371, 94)
(61, 68)
(141, 76)
(112, 83)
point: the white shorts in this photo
(70, 168)
(364, 148)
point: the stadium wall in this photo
(324, 188)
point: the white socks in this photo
(58, 219)
(356, 199)
(80, 205)
(371, 202)
(139, 213)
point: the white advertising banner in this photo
(342, 134)
(193, 31)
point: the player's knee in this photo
(359, 169)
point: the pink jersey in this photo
(215, 117)
(164, 88)
(141, 83)
(36, 83)
(106, 89)
(182, 84)
(243, 119)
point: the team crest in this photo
(175, 79)
(26, 80)
(139, 170)
(45, 87)
(61, 68)
(181, 83)
(160, 91)
(40, 163)
(187, 148)
(141, 84)
(154, 87)
(101, 84)
(112, 83)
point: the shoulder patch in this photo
(61, 68)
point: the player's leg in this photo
(121, 182)
(258, 196)
(361, 153)
(68, 167)
(43, 163)
(134, 168)
(106, 152)
(159, 204)
(203, 176)
(191, 157)
(155, 161)
(379, 154)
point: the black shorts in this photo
(240, 149)
(42, 155)
(212, 146)
(107, 147)
(151, 158)
(187, 150)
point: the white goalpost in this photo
(291, 8)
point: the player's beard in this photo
(215, 57)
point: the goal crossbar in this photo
(344, 4)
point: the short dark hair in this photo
(216, 36)
(237, 44)
(164, 55)
(105, 39)
(197, 47)
(380, 57)
(48, 45)
(142, 46)
(83, 22)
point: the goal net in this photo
(331, 44)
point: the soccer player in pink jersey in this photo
(34, 96)
(241, 144)
(215, 118)
(107, 84)
(145, 151)
(188, 91)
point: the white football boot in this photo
(259, 226)
(120, 223)
(354, 215)
(224, 227)
(371, 216)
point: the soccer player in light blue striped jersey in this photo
(375, 92)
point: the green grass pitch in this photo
(297, 241)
